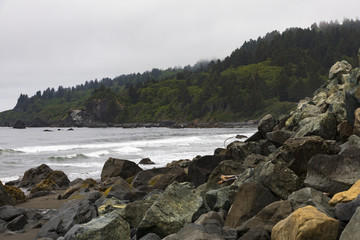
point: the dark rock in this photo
(249, 200)
(300, 150)
(142, 179)
(278, 137)
(212, 222)
(34, 175)
(353, 142)
(8, 213)
(193, 232)
(176, 173)
(268, 217)
(356, 128)
(226, 167)
(308, 196)
(108, 226)
(80, 187)
(146, 161)
(255, 137)
(345, 211)
(122, 190)
(45, 185)
(73, 212)
(150, 236)
(119, 168)
(17, 223)
(333, 173)
(5, 198)
(59, 177)
(229, 233)
(351, 231)
(19, 124)
(15, 193)
(175, 207)
(266, 124)
(256, 233)
(240, 150)
(323, 125)
(345, 130)
(200, 169)
(253, 160)
(38, 122)
(352, 102)
(217, 199)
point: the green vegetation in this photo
(267, 75)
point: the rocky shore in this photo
(296, 178)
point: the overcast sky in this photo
(47, 43)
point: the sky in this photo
(48, 43)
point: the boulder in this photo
(323, 125)
(268, 217)
(356, 129)
(256, 233)
(114, 167)
(352, 143)
(142, 179)
(266, 124)
(249, 200)
(193, 231)
(346, 196)
(279, 179)
(19, 124)
(8, 213)
(217, 199)
(278, 137)
(150, 236)
(73, 212)
(45, 185)
(81, 186)
(200, 169)
(212, 222)
(108, 226)
(175, 207)
(333, 173)
(176, 173)
(339, 68)
(15, 193)
(345, 130)
(306, 223)
(59, 177)
(5, 197)
(352, 102)
(226, 167)
(146, 161)
(123, 191)
(304, 109)
(240, 150)
(253, 160)
(351, 231)
(17, 223)
(300, 150)
(308, 196)
(34, 175)
(345, 211)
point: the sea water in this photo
(82, 152)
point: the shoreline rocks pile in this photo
(298, 177)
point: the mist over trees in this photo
(270, 73)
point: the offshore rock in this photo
(249, 200)
(175, 207)
(333, 173)
(114, 167)
(306, 223)
(110, 226)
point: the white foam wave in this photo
(127, 149)
(97, 154)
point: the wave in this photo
(9, 151)
(127, 149)
(97, 154)
(71, 156)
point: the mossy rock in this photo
(45, 185)
(15, 193)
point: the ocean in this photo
(82, 152)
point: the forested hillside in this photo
(269, 74)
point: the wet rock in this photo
(175, 207)
(253, 160)
(82, 186)
(306, 223)
(333, 173)
(15, 193)
(217, 199)
(346, 196)
(114, 167)
(73, 212)
(17, 223)
(249, 200)
(122, 190)
(34, 175)
(200, 169)
(108, 226)
(8, 213)
(351, 231)
(146, 161)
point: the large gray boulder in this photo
(217, 199)
(8, 213)
(175, 207)
(333, 173)
(123, 191)
(249, 200)
(278, 137)
(351, 231)
(323, 125)
(345, 211)
(107, 227)
(114, 167)
(73, 212)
